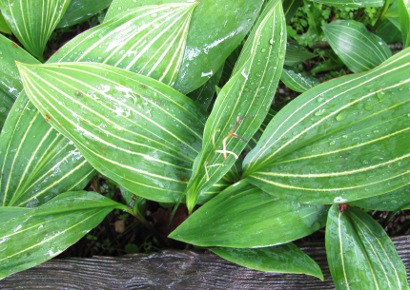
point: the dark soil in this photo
(121, 234)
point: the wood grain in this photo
(171, 270)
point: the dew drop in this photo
(339, 199)
(368, 107)
(341, 116)
(320, 112)
(380, 96)
(376, 159)
(207, 74)
(271, 41)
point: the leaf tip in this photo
(177, 235)
(319, 275)
(172, 235)
(21, 67)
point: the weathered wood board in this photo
(171, 270)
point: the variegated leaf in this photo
(32, 236)
(149, 40)
(351, 3)
(360, 254)
(243, 216)
(343, 140)
(296, 81)
(358, 48)
(216, 29)
(243, 103)
(10, 84)
(33, 174)
(133, 129)
(32, 22)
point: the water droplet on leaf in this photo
(368, 106)
(320, 112)
(380, 96)
(341, 116)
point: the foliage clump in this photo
(178, 102)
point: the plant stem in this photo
(382, 14)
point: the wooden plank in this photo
(171, 270)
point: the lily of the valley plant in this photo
(135, 99)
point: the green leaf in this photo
(404, 15)
(10, 84)
(33, 236)
(351, 3)
(80, 10)
(133, 129)
(216, 29)
(32, 22)
(388, 32)
(296, 81)
(393, 14)
(3, 25)
(243, 216)
(124, 6)
(296, 54)
(360, 254)
(359, 49)
(205, 94)
(9, 212)
(280, 259)
(156, 49)
(343, 140)
(37, 163)
(33, 174)
(290, 7)
(243, 103)
(392, 201)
